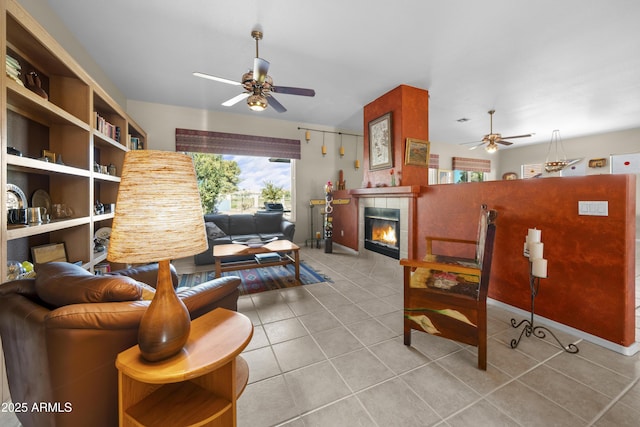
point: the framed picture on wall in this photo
(417, 153)
(380, 143)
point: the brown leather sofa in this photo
(61, 333)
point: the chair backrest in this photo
(487, 216)
(486, 238)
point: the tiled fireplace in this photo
(385, 203)
(382, 231)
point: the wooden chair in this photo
(447, 295)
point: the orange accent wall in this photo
(591, 259)
(409, 107)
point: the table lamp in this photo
(158, 217)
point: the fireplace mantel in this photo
(401, 191)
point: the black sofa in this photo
(224, 229)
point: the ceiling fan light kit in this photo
(257, 102)
(492, 139)
(258, 85)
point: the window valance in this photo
(200, 141)
(434, 161)
(468, 164)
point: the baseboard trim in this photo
(627, 351)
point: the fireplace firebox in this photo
(382, 231)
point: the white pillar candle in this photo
(534, 235)
(539, 267)
(536, 250)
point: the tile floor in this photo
(331, 354)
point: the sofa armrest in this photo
(288, 228)
(25, 287)
(146, 274)
(202, 298)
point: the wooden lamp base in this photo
(166, 324)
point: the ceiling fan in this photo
(258, 85)
(492, 139)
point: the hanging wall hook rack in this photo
(328, 131)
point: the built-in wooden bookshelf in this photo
(81, 129)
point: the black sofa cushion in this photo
(268, 222)
(242, 225)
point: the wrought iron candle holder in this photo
(537, 269)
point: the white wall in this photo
(587, 147)
(42, 12)
(311, 172)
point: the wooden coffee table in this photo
(220, 252)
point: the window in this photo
(262, 180)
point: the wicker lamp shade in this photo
(158, 218)
(158, 211)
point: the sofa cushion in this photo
(61, 283)
(213, 231)
(268, 222)
(241, 224)
(221, 220)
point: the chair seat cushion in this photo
(61, 283)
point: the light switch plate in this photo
(593, 208)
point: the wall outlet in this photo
(593, 208)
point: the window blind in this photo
(468, 164)
(200, 141)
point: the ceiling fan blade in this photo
(476, 146)
(276, 105)
(235, 99)
(260, 69)
(519, 136)
(218, 79)
(293, 90)
(503, 142)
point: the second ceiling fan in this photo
(492, 139)
(258, 85)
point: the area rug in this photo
(256, 280)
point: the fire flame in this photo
(384, 234)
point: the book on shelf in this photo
(12, 69)
(134, 143)
(12, 62)
(106, 128)
(268, 257)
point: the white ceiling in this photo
(572, 65)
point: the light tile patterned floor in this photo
(331, 354)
